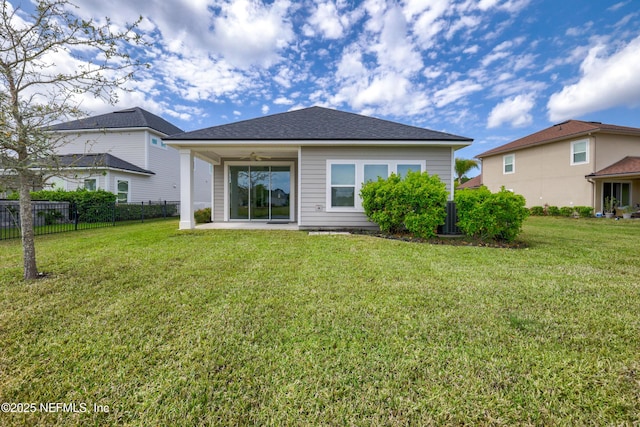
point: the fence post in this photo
(74, 206)
(113, 211)
(164, 210)
(141, 211)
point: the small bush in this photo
(566, 211)
(202, 215)
(537, 211)
(416, 203)
(553, 210)
(584, 211)
(491, 216)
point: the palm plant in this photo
(463, 166)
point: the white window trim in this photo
(84, 182)
(573, 145)
(392, 167)
(504, 164)
(128, 181)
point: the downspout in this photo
(593, 170)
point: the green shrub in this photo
(491, 216)
(584, 211)
(566, 211)
(202, 215)
(416, 203)
(537, 211)
(553, 210)
(92, 206)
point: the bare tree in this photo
(49, 59)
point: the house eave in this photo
(179, 143)
(630, 175)
(105, 130)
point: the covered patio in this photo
(620, 180)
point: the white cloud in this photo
(250, 33)
(430, 21)
(606, 82)
(471, 49)
(265, 109)
(395, 50)
(516, 111)
(455, 91)
(325, 18)
(283, 101)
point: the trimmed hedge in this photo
(415, 203)
(490, 216)
(91, 206)
(567, 211)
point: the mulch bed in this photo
(451, 240)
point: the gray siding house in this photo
(306, 166)
(123, 152)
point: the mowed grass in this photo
(162, 327)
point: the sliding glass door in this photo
(260, 193)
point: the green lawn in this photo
(212, 327)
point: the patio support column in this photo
(187, 221)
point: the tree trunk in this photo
(26, 226)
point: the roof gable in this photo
(558, 132)
(317, 123)
(130, 118)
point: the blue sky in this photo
(491, 70)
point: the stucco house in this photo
(123, 152)
(307, 166)
(574, 163)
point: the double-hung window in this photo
(346, 177)
(580, 152)
(509, 163)
(122, 196)
(343, 185)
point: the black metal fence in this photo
(57, 217)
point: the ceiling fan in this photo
(255, 157)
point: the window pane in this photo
(404, 169)
(342, 196)
(90, 184)
(508, 164)
(372, 172)
(579, 157)
(625, 200)
(343, 174)
(580, 152)
(580, 147)
(123, 186)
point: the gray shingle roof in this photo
(131, 118)
(99, 161)
(317, 123)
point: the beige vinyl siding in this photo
(313, 185)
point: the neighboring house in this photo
(475, 182)
(313, 161)
(574, 163)
(123, 152)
